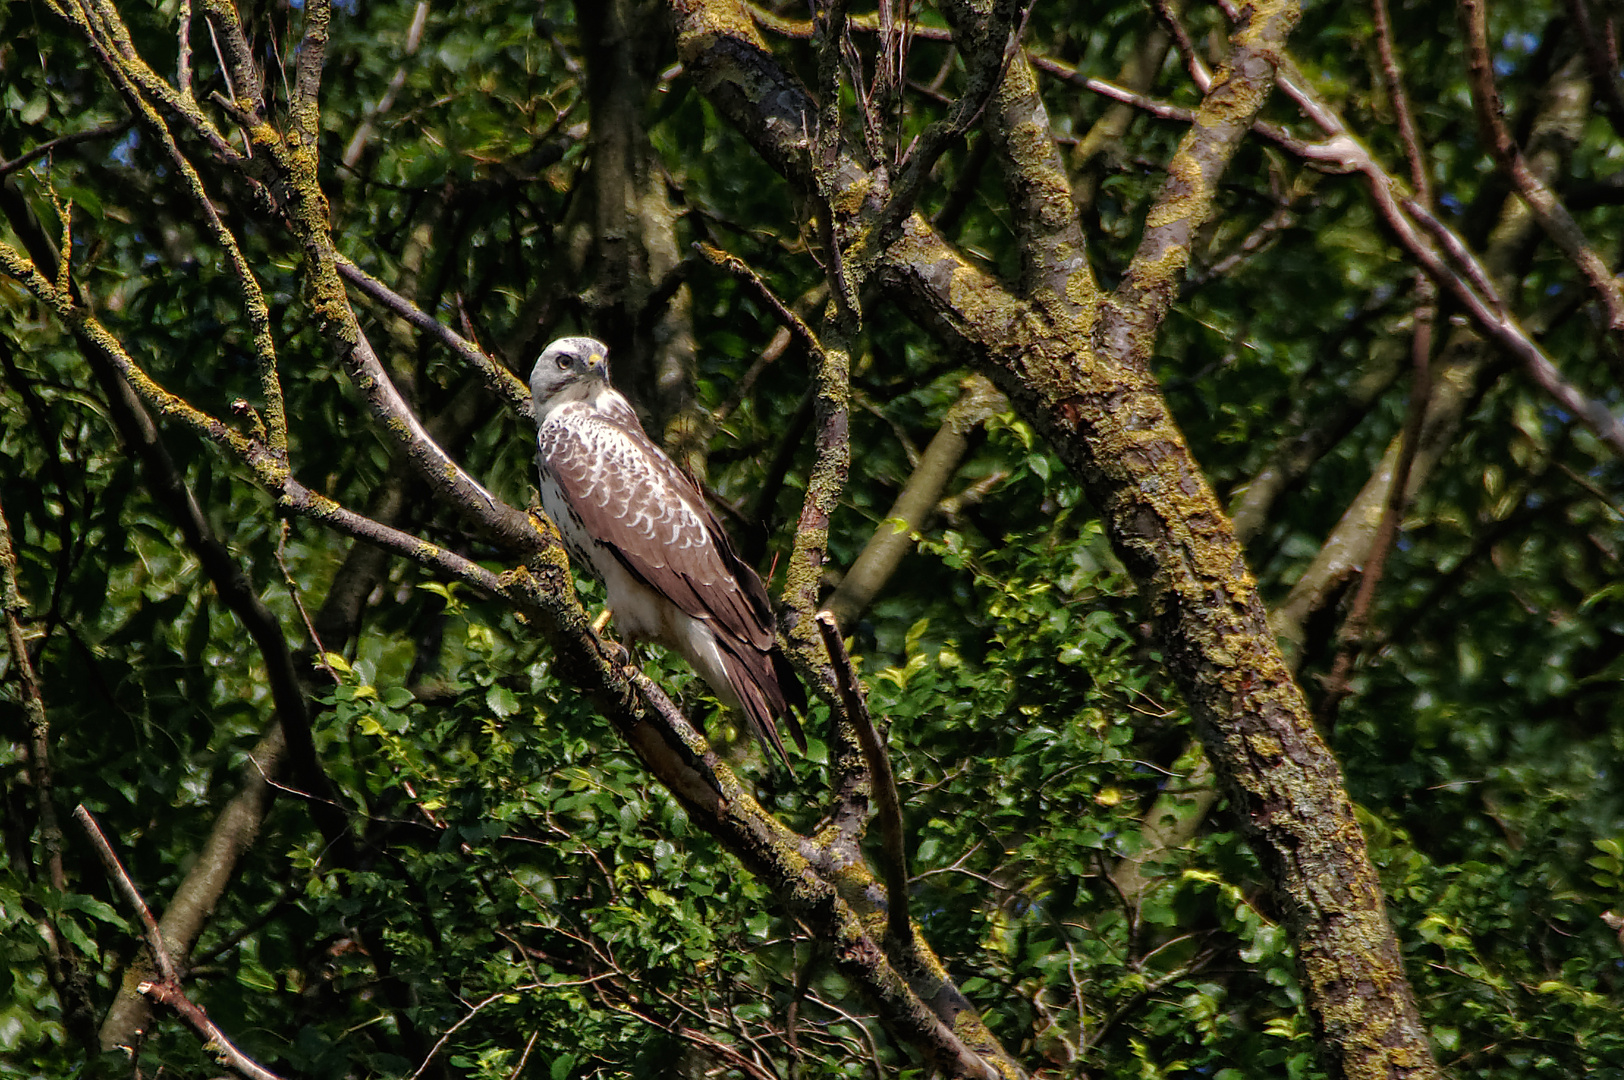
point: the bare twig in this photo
(469, 1015)
(786, 314)
(1168, 13)
(1548, 210)
(1353, 627)
(888, 802)
(168, 991)
(1601, 54)
(39, 729)
(1401, 102)
(808, 301)
(45, 149)
(989, 40)
(132, 896)
(507, 387)
(298, 603)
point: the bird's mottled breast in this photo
(608, 485)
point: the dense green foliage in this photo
(518, 884)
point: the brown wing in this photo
(633, 499)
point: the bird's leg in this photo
(623, 653)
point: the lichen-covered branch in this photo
(1055, 275)
(1105, 417)
(1130, 320)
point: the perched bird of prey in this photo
(631, 516)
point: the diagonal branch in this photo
(1055, 275)
(883, 781)
(168, 990)
(1131, 318)
(1470, 284)
(1548, 210)
(502, 383)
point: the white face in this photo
(569, 364)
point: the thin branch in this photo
(507, 387)
(1470, 285)
(1162, 110)
(1168, 14)
(1353, 627)
(253, 297)
(1548, 210)
(168, 991)
(472, 1012)
(988, 39)
(812, 299)
(787, 315)
(166, 404)
(1394, 78)
(132, 896)
(1601, 54)
(45, 149)
(39, 728)
(888, 803)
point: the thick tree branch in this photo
(1105, 418)
(1055, 275)
(1130, 319)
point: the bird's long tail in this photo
(767, 688)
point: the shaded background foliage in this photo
(517, 876)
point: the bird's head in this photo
(571, 368)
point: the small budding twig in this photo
(168, 990)
(887, 801)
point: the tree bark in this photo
(1074, 365)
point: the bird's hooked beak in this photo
(597, 365)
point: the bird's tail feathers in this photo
(767, 688)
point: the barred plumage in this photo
(641, 526)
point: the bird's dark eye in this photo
(563, 363)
